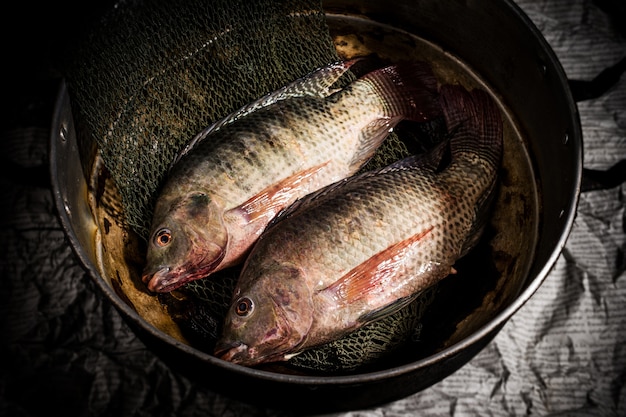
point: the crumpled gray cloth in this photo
(64, 349)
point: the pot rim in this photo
(60, 121)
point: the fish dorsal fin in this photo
(376, 274)
(317, 84)
(430, 161)
(317, 197)
(313, 198)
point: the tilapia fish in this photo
(362, 248)
(235, 176)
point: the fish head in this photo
(268, 320)
(187, 242)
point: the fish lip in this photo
(231, 352)
(239, 353)
(161, 280)
(165, 279)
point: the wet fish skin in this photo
(360, 249)
(237, 175)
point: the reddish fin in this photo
(476, 123)
(373, 274)
(409, 90)
(266, 204)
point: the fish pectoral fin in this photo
(270, 201)
(387, 310)
(374, 277)
(370, 139)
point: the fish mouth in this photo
(241, 354)
(164, 280)
(235, 352)
(157, 281)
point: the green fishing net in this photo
(154, 73)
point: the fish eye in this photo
(244, 307)
(163, 237)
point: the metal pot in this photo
(500, 44)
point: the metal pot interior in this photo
(491, 45)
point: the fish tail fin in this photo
(405, 91)
(475, 121)
(408, 90)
